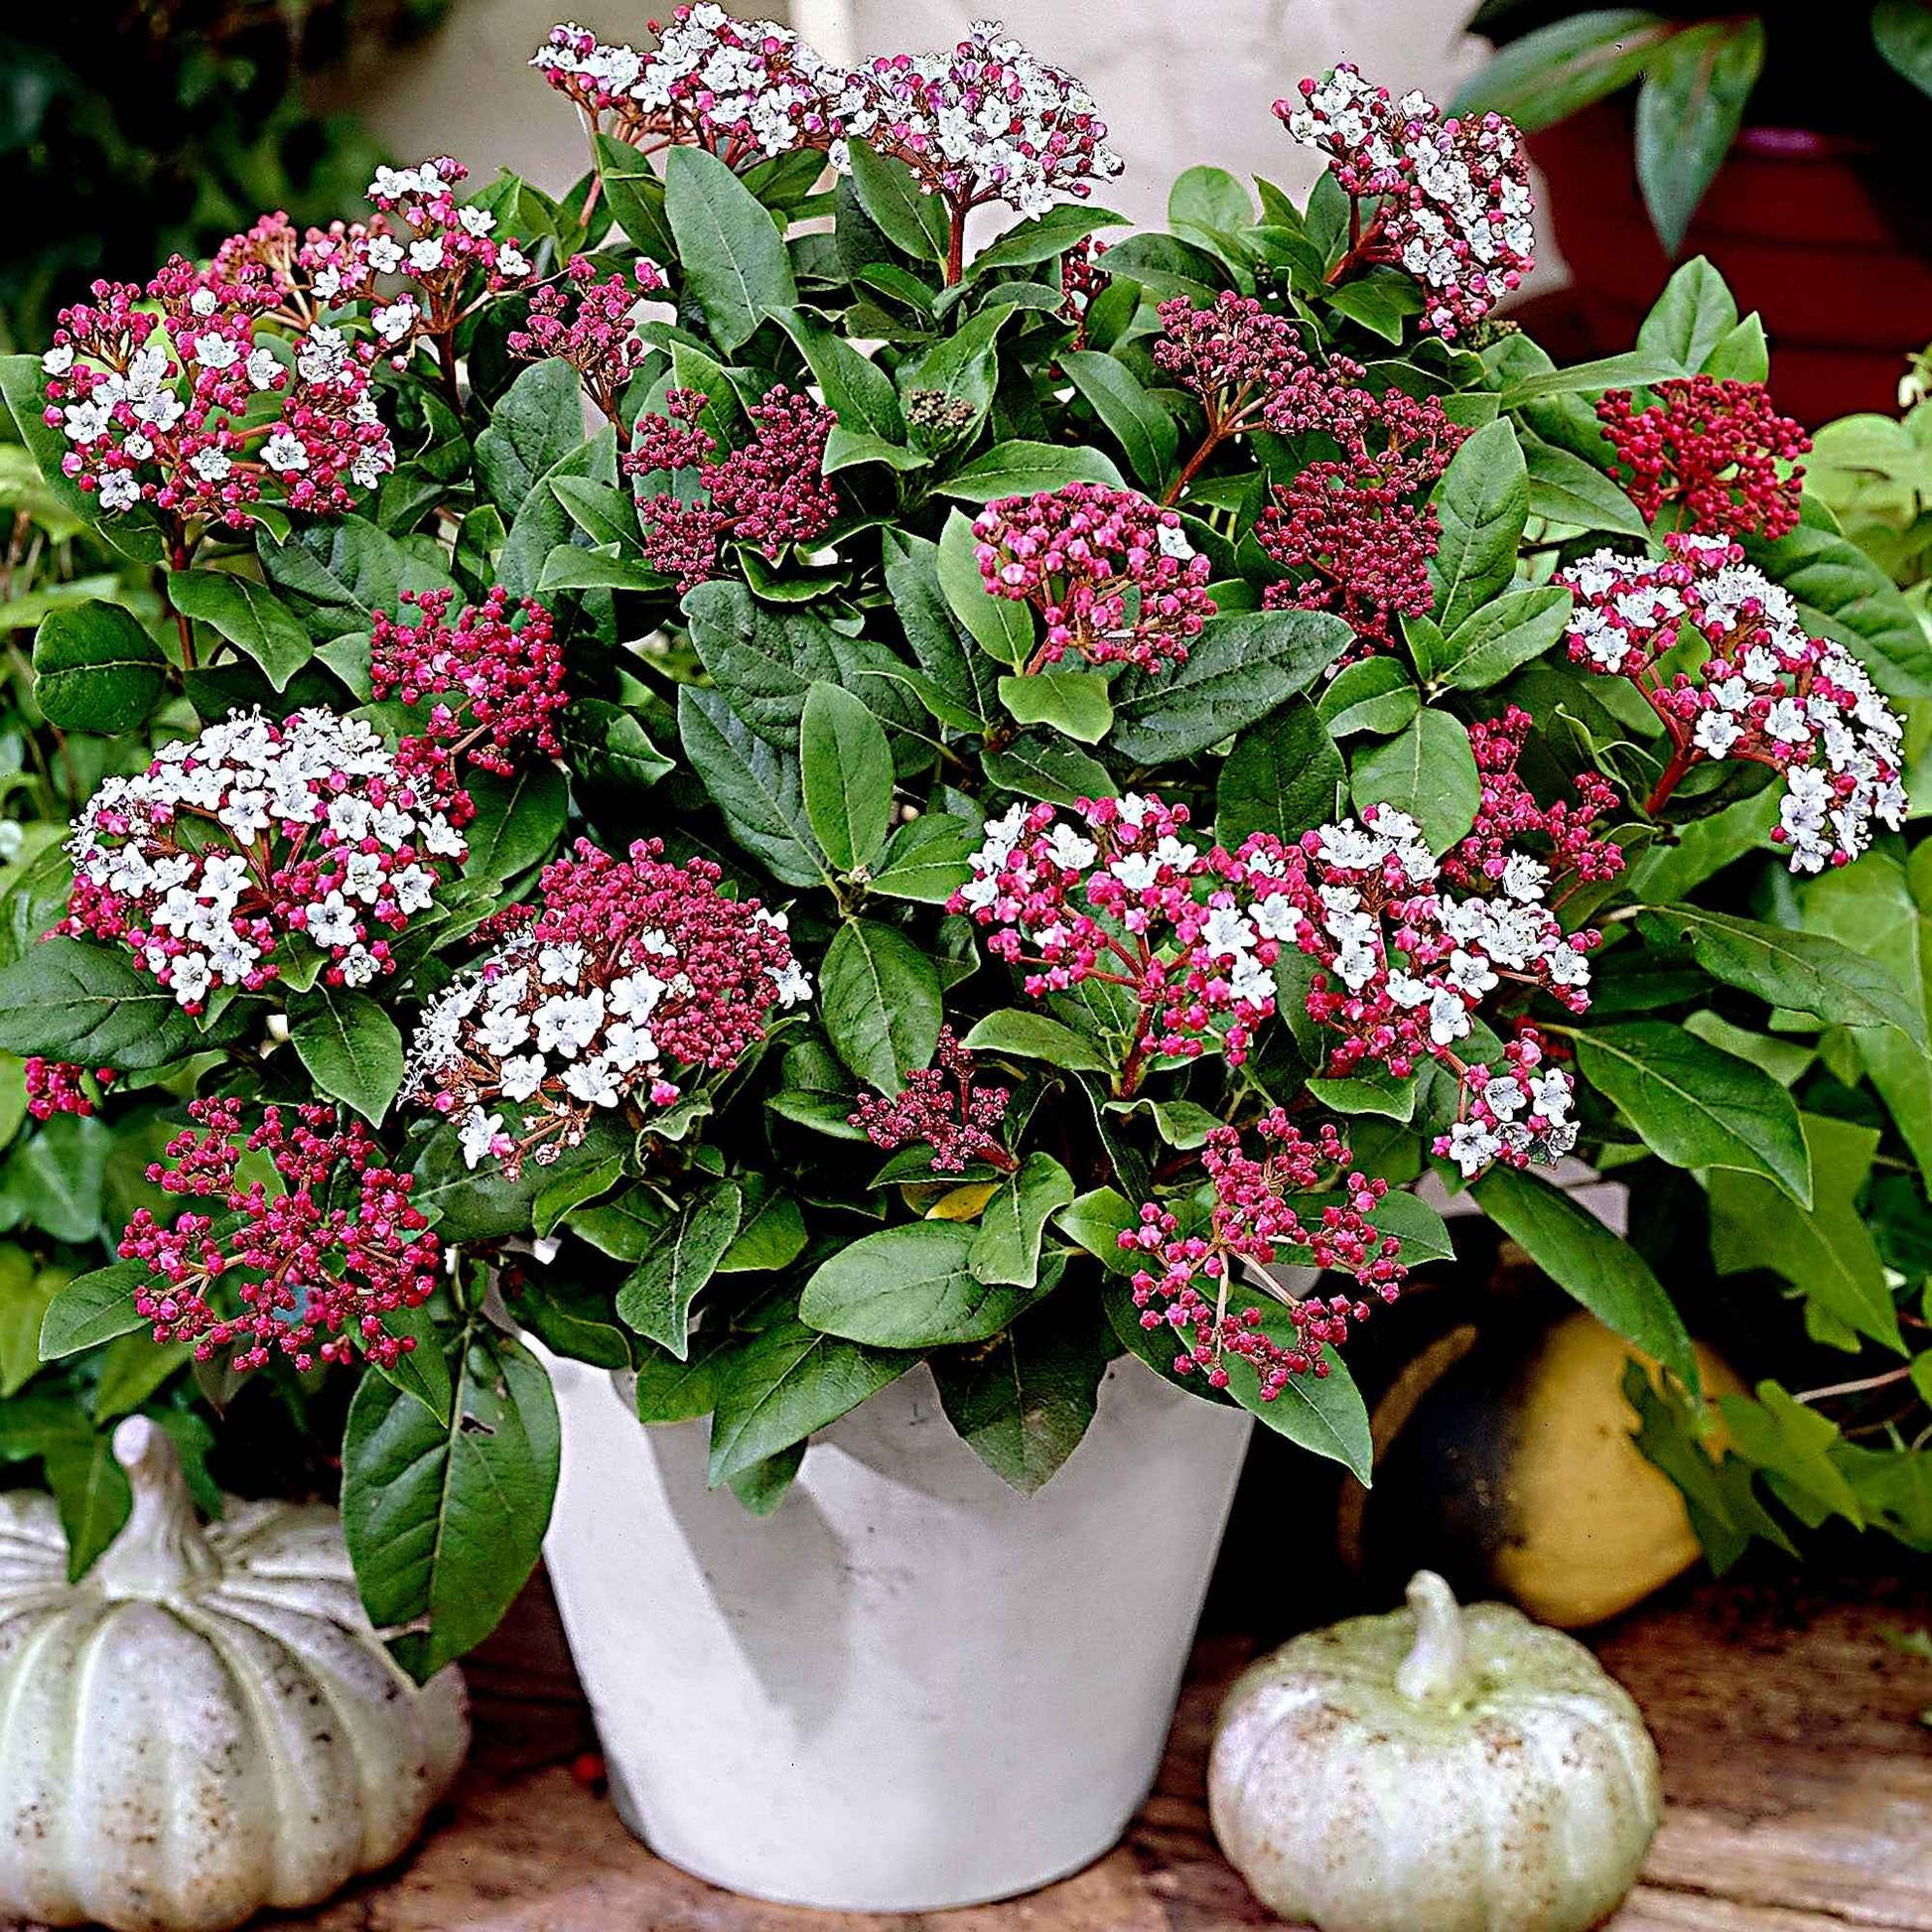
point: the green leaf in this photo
(1033, 1037)
(1825, 1251)
(879, 995)
(733, 256)
(910, 1286)
(1870, 907)
(131, 1370)
(1791, 1446)
(625, 1227)
(1021, 468)
(1003, 626)
(1483, 503)
(92, 1492)
(1566, 489)
(1500, 637)
(1689, 110)
(519, 821)
(1242, 666)
(1374, 694)
(445, 1521)
(1044, 238)
(26, 1295)
(1697, 1106)
(93, 1309)
(1552, 72)
(53, 1179)
(931, 629)
(1144, 430)
(606, 744)
(1037, 767)
(857, 388)
(1800, 970)
(779, 1384)
(1428, 771)
(1007, 1247)
(1095, 1221)
(656, 1296)
(537, 422)
(927, 859)
(1367, 1093)
(764, 1485)
(1074, 702)
(248, 615)
(633, 191)
(1282, 777)
(757, 788)
(1595, 1266)
(1023, 1402)
(1324, 1414)
(914, 222)
(1695, 313)
(72, 999)
(96, 670)
(771, 1235)
(423, 1371)
(351, 1047)
(847, 773)
(1901, 31)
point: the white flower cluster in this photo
(988, 120)
(529, 1027)
(1517, 1114)
(1769, 692)
(1457, 202)
(745, 89)
(228, 842)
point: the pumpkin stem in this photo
(1437, 1669)
(161, 1547)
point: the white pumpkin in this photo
(207, 1724)
(1435, 1770)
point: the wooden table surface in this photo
(1797, 1772)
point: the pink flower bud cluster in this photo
(744, 89)
(188, 408)
(1116, 895)
(987, 121)
(1114, 578)
(1234, 356)
(632, 971)
(503, 668)
(1516, 1113)
(1453, 196)
(1507, 815)
(1186, 1278)
(1405, 963)
(1082, 282)
(592, 327)
(1359, 529)
(59, 1087)
(309, 1266)
(1719, 449)
(256, 839)
(1768, 691)
(764, 494)
(940, 1107)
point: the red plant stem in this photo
(956, 245)
(1681, 762)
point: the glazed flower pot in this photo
(1792, 226)
(910, 1688)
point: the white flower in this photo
(284, 453)
(523, 1077)
(479, 1134)
(512, 263)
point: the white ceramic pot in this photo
(910, 1688)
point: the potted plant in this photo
(1776, 140)
(930, 880)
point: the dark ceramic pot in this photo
(1795, 229)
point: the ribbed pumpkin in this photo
(1435, 1770)
(206, 1724)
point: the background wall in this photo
(1178, 83)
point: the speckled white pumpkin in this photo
(1435, 1770)
(206, 1724)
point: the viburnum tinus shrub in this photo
(790, 766)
